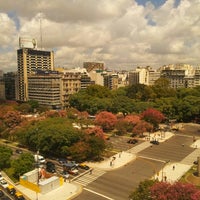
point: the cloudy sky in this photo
(121, 33)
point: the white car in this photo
(4, 183)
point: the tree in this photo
(142, 192)
(142, 127)
(176, 191)
(12, 119)
(5, 155)
(162, 88)
(96, 147)
(106, 120)
(23, 164)
(96, 131)
(153, 116)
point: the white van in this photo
(40, 159)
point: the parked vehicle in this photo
(65, 175)
(19, 196)
(83, 166)
(195, 162)
(154, 142)
(73, 171)
(132, 141)
(69, 165)
(19, 151)
(50, 167)
(1, 193)
(11, 189)
(3, 183)
(39, 159)
(62, 161)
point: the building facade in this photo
(45, 88)
(28, 61)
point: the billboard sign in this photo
(25, 42)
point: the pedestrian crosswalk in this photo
(89, 177)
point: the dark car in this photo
(1, 193)
(19, 151)
(195, 162)
(132, 141)
(62, 161)
(50, 167)
(154, 142)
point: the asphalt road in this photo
(172, 149)
(118, 184)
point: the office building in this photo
(30, 60)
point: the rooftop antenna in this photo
(41, 31)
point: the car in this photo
(73, 171)
(132, 141)
(39, 159)
(65, 174)
(4, 183)
(11, 190)
(154, 142)
(62, 160)
(1, 193)
(19, 196)
(83, 166)
(19, 151)
(195, 162)
(50, 167)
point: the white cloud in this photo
(120, 33)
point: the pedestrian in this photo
(165, 178)
(110, 163)
(173, 167)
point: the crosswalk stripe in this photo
(89, 178)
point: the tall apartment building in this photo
(10, 84)
(29, 60)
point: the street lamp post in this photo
(37, 163)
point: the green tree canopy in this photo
(23, 164)
(5, 155)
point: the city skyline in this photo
(122, 33)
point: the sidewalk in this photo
(171, 172)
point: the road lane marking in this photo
(98, 194)
(163, 161)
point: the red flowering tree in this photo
(106, 120)
(97, 131)
(142, 127)
(153, 116)
(176, 191)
